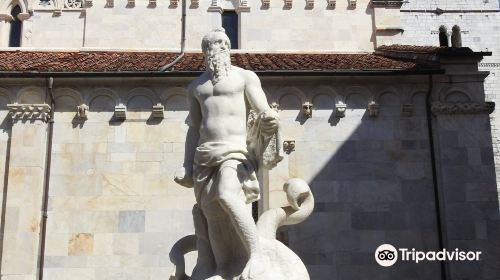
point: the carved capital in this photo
(462, 108)
(29, 112)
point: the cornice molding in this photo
(462, 108)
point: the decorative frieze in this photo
(407, 110)
(460, 108)
(307, 109)
(29, 112)
(340, 109)
(373, 109)
(158, 111)
(82, 111)
(120, 112)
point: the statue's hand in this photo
(269, 122)
(185, 179)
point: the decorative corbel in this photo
(23, 16)
(373, 109)
(352, 4)
(215, 7)
(82, 111)
(130, 3)
(309, 4)
(6, 17)
(120, 112)
(243, 6)
(158, 111)
(275, 106)
(307, 109)
(57, 12)
(407, 110)
(331, 4)
(340, 109)
(288, 146)
(195, 3)
(266, 4)
(174, 3)
(88, 3)
(110, 3)
(288, 4)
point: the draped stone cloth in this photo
(210, 157)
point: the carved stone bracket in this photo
(352, 4)
(340, 109)
(266, 4)
(6, 17)
(57, 12)
(88, 3)
(288, 146)
(243, 7)
(29, 112)
(288, 4)
(110, 3)
(307, 109)
(158, 111)
(275, 106)
(82, 111)
(195, 3)
(23, 16)
(215, 7)
(331, 4)
(373, 109)
(407, 110)
(130, 3)
(309, 4)
(174, 3)
(120, 112)
(461, 108)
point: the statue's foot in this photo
(256, 266)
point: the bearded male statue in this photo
(232, 133)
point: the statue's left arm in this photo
(258, 101)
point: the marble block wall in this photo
(114, 211)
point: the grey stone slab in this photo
(131, 221)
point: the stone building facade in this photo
(386, 164)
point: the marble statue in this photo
(233, 132)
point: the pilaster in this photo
(24, 190)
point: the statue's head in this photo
(216, 46)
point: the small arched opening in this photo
(443, 36)
(15, 28)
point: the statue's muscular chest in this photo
(231, 87)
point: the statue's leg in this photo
(229, 188)
(205, 265)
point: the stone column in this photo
(21, 240)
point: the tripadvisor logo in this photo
(387, 255)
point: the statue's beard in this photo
(219, 65)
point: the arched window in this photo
(15, 28)
(443, 36)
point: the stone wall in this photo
(114, 211)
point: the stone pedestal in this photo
(24, 191)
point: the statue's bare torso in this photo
(222, 106)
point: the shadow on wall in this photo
(372, 182)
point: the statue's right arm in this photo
(192, 138)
